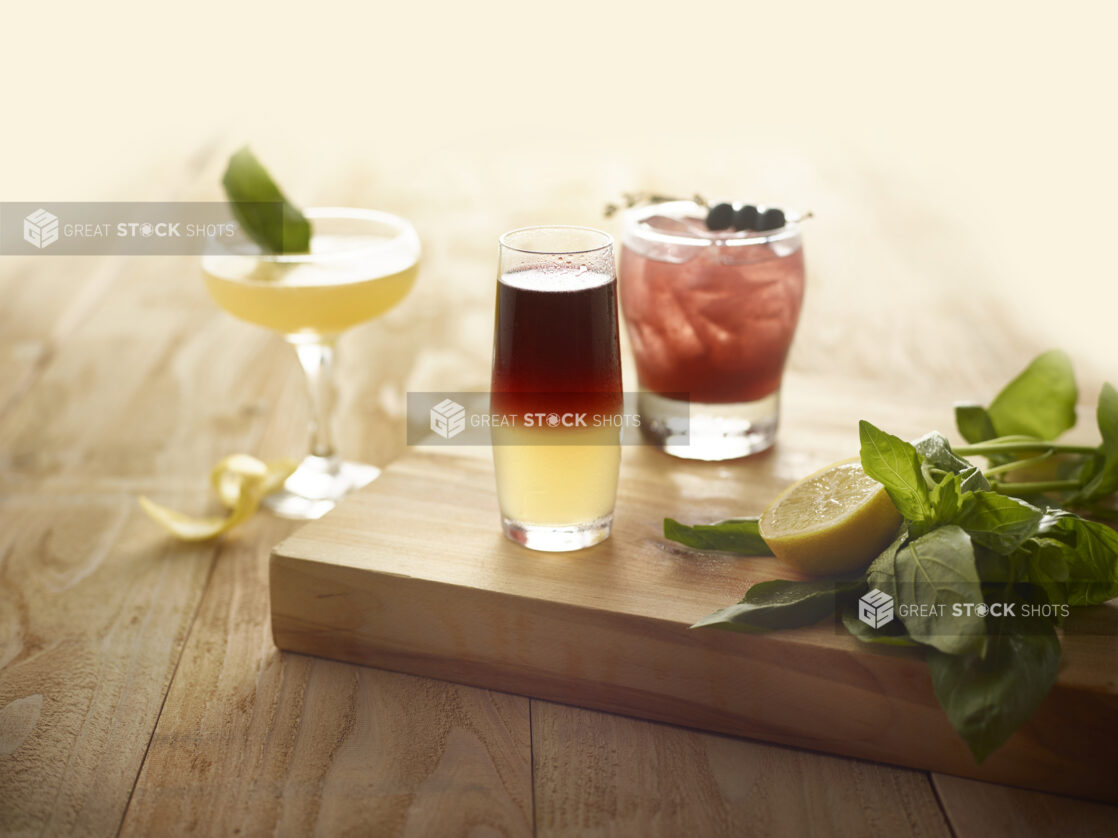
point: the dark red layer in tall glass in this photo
(556, 350)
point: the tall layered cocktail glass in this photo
(556, 388)
(361, 263)
(710, 315)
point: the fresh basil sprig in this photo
(970, 537)
(989, 696)
(781, 604)
(262, 210)
(737, 535)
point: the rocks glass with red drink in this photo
(556, 396)
(711, 315)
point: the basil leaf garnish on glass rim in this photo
(263, 211)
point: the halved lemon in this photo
(833, 521)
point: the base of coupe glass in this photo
(316, 486)
(700, 431)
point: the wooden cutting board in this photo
(412, 574)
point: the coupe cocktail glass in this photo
(361, 263)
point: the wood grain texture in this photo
(95, 605)
(977, 810)
(93, 613)
(598, 774)
(413, 574)
(128, 391)
(256, 741)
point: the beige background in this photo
(990, 124)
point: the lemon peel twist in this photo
(240, 481)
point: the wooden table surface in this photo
(140, 691)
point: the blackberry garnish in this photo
(720, 217)
(746, 218)
(771, 219)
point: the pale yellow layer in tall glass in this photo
(325, 297)
(556, 485)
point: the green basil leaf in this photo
(996, 571)
(737, 535)
(932, 574)
(947, 493)
(947, 498)
(882, 571)
(1091, 560)
(973, 480)
(1052, 523)
(262, 210)
(935, 450)
(999, 522)
(1040, 401)
(988, 698)
(1104, 480)
(974, 423)
(1045, 561)
(783, 604)
(1050, 559)
(891, 634)
(895, 464)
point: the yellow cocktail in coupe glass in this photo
(361, 264)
